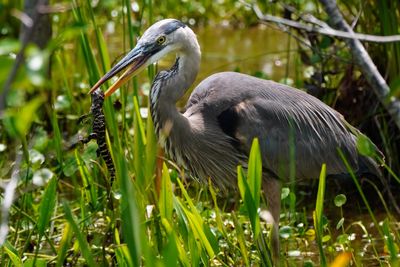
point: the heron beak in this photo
(134, 62)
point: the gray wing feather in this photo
(273, 112)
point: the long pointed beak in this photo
(134, 62)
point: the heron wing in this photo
(292, 126)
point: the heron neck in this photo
(168, 87)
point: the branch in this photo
(322, 28)
(9, 192)
(32, 23)
(367, 66)
(352, 39)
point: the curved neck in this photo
(168, 87)
(173, 84)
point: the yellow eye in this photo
(161, 40)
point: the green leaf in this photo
(69, 166)
(183, 257)
(390, 243)
(13, 254)
(340, 223)
(320, 197)
(132, 230)
(35, 263)
(170, 252)
(18, 121)
(57, 140)
(201, 230)
(197, 230)
(318, 220)
(166, 196)
(241, 239)
(254, 173)
(83, 244)
(285, 192)
(325, 42)
(248, 202)
(326, 238)
(8, 46)
(285, 231)
(64, 244)
(89, 185)
(365, 146)
(140, 145)
(151, 149)
(342, 239)
(47, 205)
(122, 256)
(340, 200)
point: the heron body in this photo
(227, 110)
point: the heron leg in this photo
(272, 191)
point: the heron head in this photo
(161, 38)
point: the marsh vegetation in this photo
(61, 212)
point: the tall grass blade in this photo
(83, 244)
(127, 4)
(166, 196)
(241, 239)
(101, 44)
(121, 252)
(151, 148)
(139, 147)
(132, 216)
(200, 230)
(319, 207)
(57, 138)
(64, 244)
(122, 256)
(364, 198)
(47, 205)
(254, 172)
(172, 235)
(218, 216)
(390, 244)
(13, 254)
(248, 201)
(87, 181)
(170, 252)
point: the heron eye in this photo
(161, 40)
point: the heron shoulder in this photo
(222, 90)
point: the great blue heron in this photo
(227, 110)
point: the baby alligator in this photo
(99, 132)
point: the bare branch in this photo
(31, 22)
(352, 39)
(9, 192)
(367, 66)
(322, 28)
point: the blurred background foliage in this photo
(77, 41)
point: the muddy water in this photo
(250, 50)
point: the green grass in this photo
(154, 215)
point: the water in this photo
(254, 50)
(249, 50)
